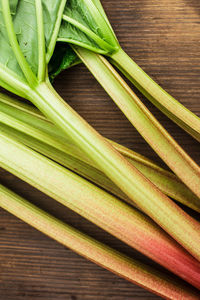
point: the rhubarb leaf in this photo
(84, 25)
(7, 57)
(27, 40)
(63, 58)
(25, 25)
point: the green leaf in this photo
(50, 14)
(7, 57)
(33, 32)
(80, 28)
(13, 7)
(86, 26)
(25, 24)
(63, 58)
(78, 12)
(71, 34)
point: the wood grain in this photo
(163, 38)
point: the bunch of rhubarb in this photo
(54, 149)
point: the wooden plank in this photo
(163, 38)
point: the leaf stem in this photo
(41, 42)
(9, 88)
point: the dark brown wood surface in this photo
(163, 38)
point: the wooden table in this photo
(163, 38)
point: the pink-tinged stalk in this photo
(142, 119)
(101, 208)
(99, 253)
(66, 153)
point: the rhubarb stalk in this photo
(21, 70)
(101, 208)
(99, 253)
(172, 108)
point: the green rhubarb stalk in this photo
(27, 121)
(19, 67)
(91, 249)
(95, 33)
(142, 119)
(99, 207)
(172, 108)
